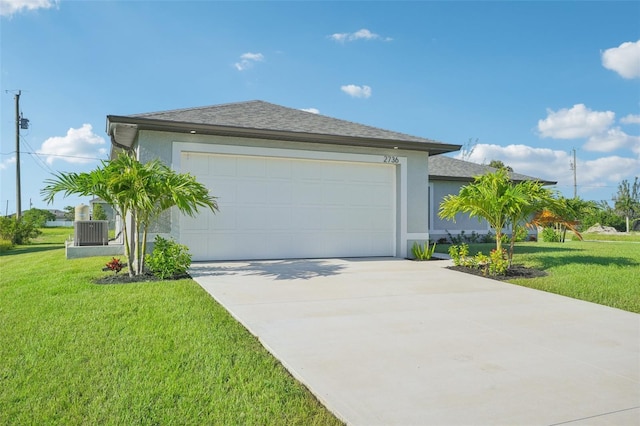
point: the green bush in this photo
(498, 262)
(168, 259)
(550, 235)
(459, 254)
(38, 217)
(18, 231)
(5, 245)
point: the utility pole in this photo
(575, 178)
(18, 193)
(21, 123)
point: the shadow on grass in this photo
(534, 249)
(290, 269)
(32, 249)
(547, 262)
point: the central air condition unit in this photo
(91, 233)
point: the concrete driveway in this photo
(396, 342)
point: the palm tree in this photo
(137, 191)
(488, 197)
(496, 199)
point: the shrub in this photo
(459, 254)
(5, 245)
(18, 231)
(423, 252)
(550, 235)
(499, 262)
(168, 258)
(522, 233)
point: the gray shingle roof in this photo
(442, 167)
(267, 116)
(266, 120)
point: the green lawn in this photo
(74, 352)
(607, 273)
(633, 236)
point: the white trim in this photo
(401, 235)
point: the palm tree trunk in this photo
(127, 247)
(144, 248)
(512, 245)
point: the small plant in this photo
(550, 235)
(423, 252)
(168, 258)
(499, 262)
(521, 233)
(482, 262)
(459, 254)
(115, 265)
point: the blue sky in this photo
(525, 82)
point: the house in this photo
(446, 176)
(290, 183)
(293, 184)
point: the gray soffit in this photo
(259, 119)
(451, 169)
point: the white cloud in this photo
(79, 146)
(576, 122)
(630, 119)
(247, 60)
(6, 163)
(11, 7)
(624, 59)
(554, 165)
(363, 34)
(611, 140)
(604, 170)
(357, 91)
(311, 110)
(542, 163)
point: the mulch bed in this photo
(516, 271)
(124, 278)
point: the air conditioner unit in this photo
(91, 233)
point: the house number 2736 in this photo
(391, 159)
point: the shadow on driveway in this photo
(289, 269)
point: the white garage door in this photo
(274, 208)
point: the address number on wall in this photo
(391, 159)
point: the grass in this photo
(74, 352)
(603, 273)
(632, 236)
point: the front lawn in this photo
(74, 352)
(607, 273)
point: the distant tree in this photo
(98, 212)
(627, 201)
(38, 217)
(497, 164)
(69, 213)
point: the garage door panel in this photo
(278, 168)
(292, 208)
(222, 166)
(251, 167)
(280, 192)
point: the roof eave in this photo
(124, 125)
